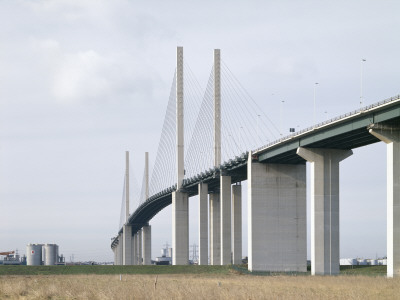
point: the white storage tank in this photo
(34, 254)
(373, 262)
(50, 254)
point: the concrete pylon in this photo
(217, 107)
(126, 186)
(127, 245)
(180, 228)
(391, 136)
(277, 230)
(134, 250)
(203, 224)
(215, 229)
(180, 205)
(237, 224)
(325, 256)
(120, 249)
(139, 247)
(146, 244)
(226, 216)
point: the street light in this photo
(315, 88)
(361, 82)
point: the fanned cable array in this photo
(133, 196)
(244, 126)
(164, 169)
(199, 155)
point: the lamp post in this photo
(361, 83)
(315, 91)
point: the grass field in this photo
(190, 282)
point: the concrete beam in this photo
(146, 245)
(203, 224)
(325, 246)
(215, 229)
(237, 224)
(226, 215)
(392, 138)
(180, 228)
(127, 245)
(276, 217)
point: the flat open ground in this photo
(194, 283)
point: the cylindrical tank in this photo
(34, 254)
(50, 254)
(373, 262)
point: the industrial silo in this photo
(50, 254)
(34, 254)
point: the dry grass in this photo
(231, 286)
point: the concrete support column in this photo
(237, 224)
(277, 230)
(115, 254)
(180, 228)
(215, 229)
(120, 249)
(127, 245)
(139, 247)
(147, 245)
(325, 246)
(203, 224)
(134, 249)
(391, 136)
(226, 215)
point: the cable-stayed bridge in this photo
(232, 140)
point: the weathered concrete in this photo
(226, 216)
(215, 229)
(139, 247)
(325, 246)
(180, 228)
(127, 245)
(276, 217)
(120, 249)
(146, 244)
(180, 170)
(217, 107)
(203, 224)
(237, 224)
(392, 138)
(134, 250)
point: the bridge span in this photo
(276, 176)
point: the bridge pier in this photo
(120, 249)
(226, 214)
(325, 257)
(139, 260)
(127, 245)
(391, 136)
(215, 229)
(134, 249)
(203, 224)
(276, 217)
(180, 228)
(237, 224)
(146, 244)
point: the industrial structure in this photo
(276, 176)
(43, 254)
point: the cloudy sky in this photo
(83, 81)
